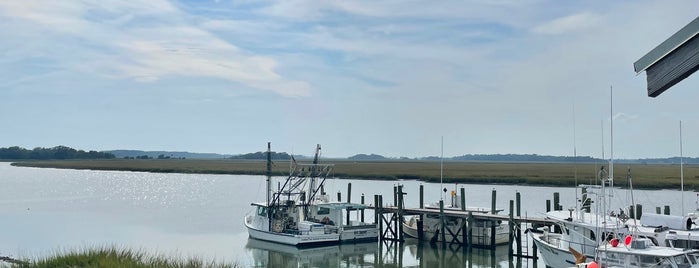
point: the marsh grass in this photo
(114, 257)
(645, 176)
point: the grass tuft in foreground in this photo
(113, 257)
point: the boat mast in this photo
(575, 163)
(441, 171)
(269, 185)
(269, 170)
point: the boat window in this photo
(262, 211)
(323, 211)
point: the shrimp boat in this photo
(299, 212)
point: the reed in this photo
(114, 257)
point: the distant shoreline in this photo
(655, 176)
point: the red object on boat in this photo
(593, 265)
(614, 242)
(627, 240)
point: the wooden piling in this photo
(548, 205)
(518, 199)
(510, 229)
(349, 200)
(632, 213)
(657, 210)
(639, 211)
(422, 200)
(442, 221)
(362, 211)
(395, 195)
(470, 229)
(463, 199)
(376, 210)
(379, 205)
(667, 210)
(339, 196)
(556, 201)
(399, 220)
(492, 202)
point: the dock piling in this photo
(492, 202)
(518, 199)
(442, 221)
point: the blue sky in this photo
(386, 77)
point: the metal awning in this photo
(672, 61)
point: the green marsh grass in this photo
(109, 257)
(645, 176)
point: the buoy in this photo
(614, 242)
(627, 240)
(593, 265)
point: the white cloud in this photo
(145, 41)
(567, 24)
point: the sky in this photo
(386, 77)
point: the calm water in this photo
(43, 211)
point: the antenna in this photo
(681, 169)
(611, 138)
(575, 161)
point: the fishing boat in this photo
(300, 213)
(641, 252)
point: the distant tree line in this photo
(262, 155)
(58, 152)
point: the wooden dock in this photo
(390, 218)
(464, 214)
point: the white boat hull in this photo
(292, 239)
(552, 255)
(359, 234)
(481, 235)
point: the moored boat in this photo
(299, 213)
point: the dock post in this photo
(667, 210)
(349, 200)
(548, 205)
(362, 211)
(657, 210)
(463, 199)
(339, 196)
(470, 230)
(492, 202)
(422, 190)
(395, 195)
(379, 205)
(557, 201)
(442, 221)
(399, 220)
(639, 211)
(376, 209)
(510, 229)
(518, 200)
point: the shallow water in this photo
(43, 211)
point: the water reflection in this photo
(412, 253)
